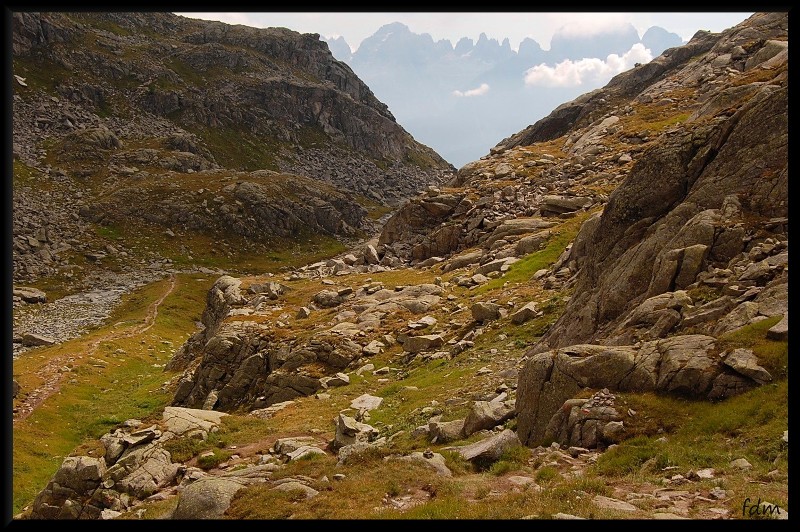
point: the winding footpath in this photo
(51, 373)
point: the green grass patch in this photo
(25, 175)
(456, 463)
(239, 257)
(103, 390)
(210, 461)
(312, 137)
(629, 458)
(374, 209)
(96, 20)
(40, 73)
(522, 271)
(511, 460)
(354, 497)
(546, 474)
(238, 149)
(701, 434)
(657, 117)
(421, 159)
(773, 355)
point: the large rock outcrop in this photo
(713, 188)
(685, 365)
(234, 363)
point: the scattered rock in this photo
(780, 331)
(527, 312)
(366, 402)
(741, 463)
(613, 504)
(483, 312)
(489, 450)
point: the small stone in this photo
(561, 515)
(718, 493)
(577, 451)
(741, 463)
(705, 473)
(365, 367)
(613, 504)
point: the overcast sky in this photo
(540, 26)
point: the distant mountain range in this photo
(462, 99)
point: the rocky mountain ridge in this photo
(113, 109)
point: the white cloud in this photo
(479, 91)
(588, 71)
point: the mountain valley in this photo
(243, 291)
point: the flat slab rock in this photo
(366, 402)
(613, 504)
(180, 420)
(491, 448)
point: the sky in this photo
(540, 26)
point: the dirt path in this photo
(52, 375)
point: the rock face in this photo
(681, 210)
(690, 246)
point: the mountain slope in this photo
(130, 119)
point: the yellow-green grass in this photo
(198, 249)
(706, 435)
(91, 399)
(522, 271)
(25, 175)
(361, 495)
(773, 355)
(711, 434)
(375, 210)
(240, 150)
(435, 380)
(701, 434)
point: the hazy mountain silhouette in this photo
(462, 99)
